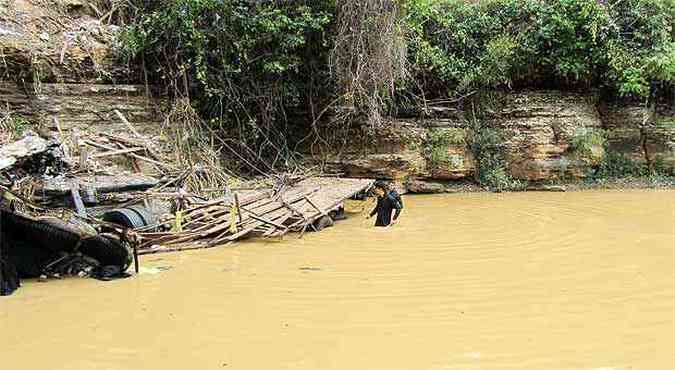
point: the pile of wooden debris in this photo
(275, 212)
(173, 216)
(52, 195)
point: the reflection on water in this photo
(465, 281)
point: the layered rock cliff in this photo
(547, 135)
(59, 67)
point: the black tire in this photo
(39, 234)
(131, 218)
(107, 250)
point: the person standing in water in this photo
(388, 206)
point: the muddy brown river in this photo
(466, 281)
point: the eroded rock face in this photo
(644, 136)
(623, 125)
(84, 107)
(392, 153)
(407, 150)
(57, 41)
(539, 129)
(660, 143)
(447, 154)
(547, 135)
(395, 166)
(61, 70)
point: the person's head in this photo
(380, 188)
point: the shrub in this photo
(618, 165)
(486, 144)
(437, 144)
(243, 64)
(12, 127)
(588, 145)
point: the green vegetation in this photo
(13, 126)
(588, 145)
(617, 165)
(437, 143)
(271, 76)
(486, 143)
(622, 46)
(666, 122)
(244, 65)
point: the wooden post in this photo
(77, 200)
(84, 157)
(236, 204)
(136, 267)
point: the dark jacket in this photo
(385, 206)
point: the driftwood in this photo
(134, 155)
(116, 152)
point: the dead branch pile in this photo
(193, 146)
(95, 147)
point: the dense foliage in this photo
(264, 72)
(624, 46)
(244, 64)
(261, 57)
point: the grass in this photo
(13, 126)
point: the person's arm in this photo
(398, 207)
(374, 211)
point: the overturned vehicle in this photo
(52, 247)
(38, 242)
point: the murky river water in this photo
(467, 281)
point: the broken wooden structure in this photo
(267, 213)
(185, 214)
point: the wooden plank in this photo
(281, 221)
(132, 142)
(116, 152)
(261, 219)
(77, 200)
(316, 207)
(262, 214)
(84, 157)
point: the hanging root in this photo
(369, 57)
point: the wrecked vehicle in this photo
(52, 247)
(34, 243)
